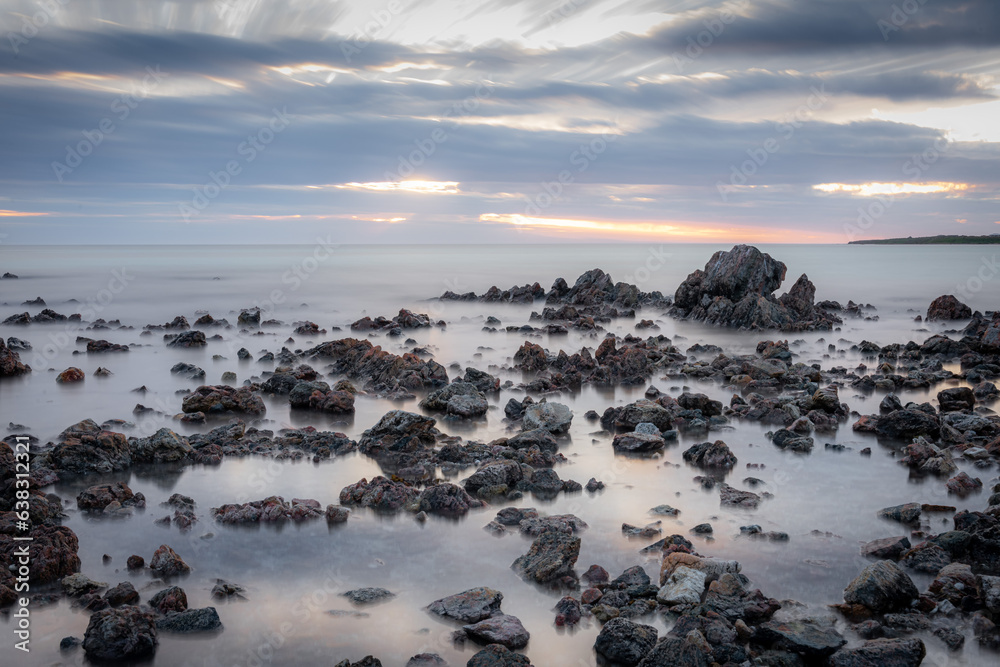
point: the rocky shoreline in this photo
(715, 614)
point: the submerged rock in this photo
(190, 621)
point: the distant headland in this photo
(944, 239)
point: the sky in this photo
(536, 121)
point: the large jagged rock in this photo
(736, 289)
(52, 553)
(502, 629)
(715, 455)
(10, 362)
(947, 307)
(446, 500)
(270, 510)
(552, 417)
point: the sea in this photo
(825, 501)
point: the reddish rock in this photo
(71, 374)
(947, 307)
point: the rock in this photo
(496, 655)
(908, 513)
(493, 475)
(953, 583)
(962, 484)
(71, 374)
(927, 557)
(482, 380)
(166, 563)
(168, 600)
(191, 338)
(887, 548)
(881, 587)
(461, 399)
(552, 417)
(380, 494)
(426, 660)
(362, 596)
(68, 643)
(568, 524)
(96, 498)
(447, 500)
(470, 606)
(504, 629)
(10, 362)
(890, 403)
(628, 417)
(625, 642)
(224, 590)
(220, 399)
(684, 586)
(190, 621)
(711, 455)
(123, 593)
(730, 496)
(806, 637)
(79, 584)
(398, 431)
(689, 651)
(907, 424)
(336, 514)
(989, 591)
(947, 307)
(785, 439)
(569, 611)
(126, 633)
(273, 509)
(135, 562)
(164, 446)
(956, 399)
(552, 556)
(638, 443)
(86, 447)
(707, 406)
(881, 653)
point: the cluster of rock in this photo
(10, 362)
(594, 297)
(405, 320)
(381, 372)
(45, 316)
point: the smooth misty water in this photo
(294, 573)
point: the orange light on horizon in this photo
(420, 187)
(7, 213)
(674, 232)
(889, 189)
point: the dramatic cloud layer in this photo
(430, 121)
